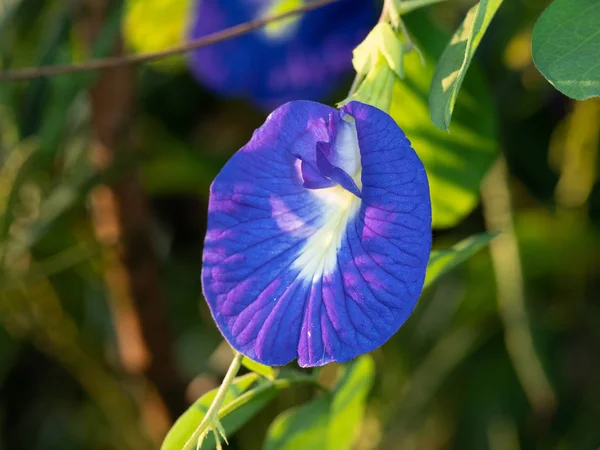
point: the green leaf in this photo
(442, 261)
(247, 396)
(566, 47)
(280, 28)
(454, 62)
(456, 162)
(349, 402)
(330, 421)
(378, 60)
(259, 368)
(301, 427)
(401, 7)
(157, 25)
(189, 421)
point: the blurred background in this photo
(105, 338)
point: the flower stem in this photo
(506, 262)
(212, 415)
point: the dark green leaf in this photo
(456, 162)
(566, 47)
(454, 62)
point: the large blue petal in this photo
(316, 274)
(306, 63)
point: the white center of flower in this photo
(281, 28)
(319, 255)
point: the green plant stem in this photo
(277, 384)
(504, 250)
(213, 410)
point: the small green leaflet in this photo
(454, 62)
(331, 421)
(566, 47)
(442, 261)
(265, 371)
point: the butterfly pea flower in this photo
(319, 233)
(303, 56)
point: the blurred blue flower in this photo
(301, 57)
(319, 233)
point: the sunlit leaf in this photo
(442, 261)
(378, 60)
(454, 62)
(566, 47)
(381, 41)
(258, 368)
(330, 421)
(152, 26)
(456, 162)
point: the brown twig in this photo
(115, 61)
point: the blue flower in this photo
(319, 233)
(300, 57)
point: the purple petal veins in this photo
(319, 233)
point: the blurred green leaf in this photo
(153, 26)
(279, 28)
(454, 62)
(566, 47)
(7, 11)
(349, 402)
(456, 162)
(330, 421)
(301, 427)
(442, 261)
(180, 169)
(258, 368)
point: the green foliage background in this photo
(503, 349)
